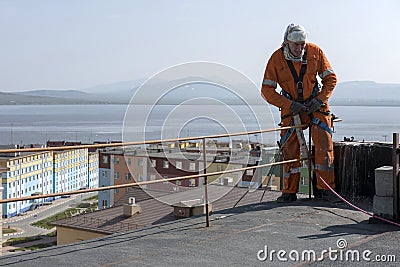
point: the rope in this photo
(354, 206)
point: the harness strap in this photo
(286, 136)
(290, 131)
(298, 80)
(321, 124)
(313, 94)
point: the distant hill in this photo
(22, 99)
(369, 93)
(75, 94)
(124, 87)
(115, 93)
(353, 93)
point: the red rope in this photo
(354, 206)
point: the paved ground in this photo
(23, 223)
(252, 235)
(44, 240)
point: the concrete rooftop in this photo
(235, 237)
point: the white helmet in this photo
(295, 33)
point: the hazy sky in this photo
(67, 44)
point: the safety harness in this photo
(298, 80)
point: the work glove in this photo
(314, 105)
(296, 107)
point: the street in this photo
(23, 223)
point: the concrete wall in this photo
(68, 235)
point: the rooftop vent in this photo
(131, 208)
(188, 208)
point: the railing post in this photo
(395, 160)
(205, 183)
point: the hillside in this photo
(355, 93)
(22, 99)
(358, 93)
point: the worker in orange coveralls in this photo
(294, 67)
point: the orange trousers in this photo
(323, 160)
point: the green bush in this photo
(20, 240)
(9, 230)
(34, 247)
(54, 233)
(45, 222)
(96, 197)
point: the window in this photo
(105, 203)
(249, 172)
(192, 182)
(140, 162)
(116, 160)
(129, 161)
(152, 177)
(178, 182)
(178, 165)
(219, 168)
(153, 163)
(128, 176)
(192, 166)
(105, 159)
(116, 190)
(165, 164)
(116, 175)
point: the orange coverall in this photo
(278, 73)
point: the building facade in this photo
(26, 176)
(45, 173)
(117, 168)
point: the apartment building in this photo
(116, 168)
(75, 169)
(26, 176)
(171, 165)
(156, 162)
(93, 169)
(45, 173)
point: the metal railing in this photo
(395, 160)
(126, 144)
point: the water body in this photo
(28, 124)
